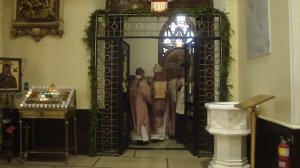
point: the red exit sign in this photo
(159, 6)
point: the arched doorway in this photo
(202, 53)
(172, 61)
(176, 32)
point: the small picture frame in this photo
(37, 18)
(10, 74)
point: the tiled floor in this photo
(130, 159)
(167, 144)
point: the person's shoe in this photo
(145, 142)
(142, 143)
(171, 137)
(179, 141)
(139, 142)
(154, 140)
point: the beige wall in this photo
(63, 61)
(233, 72)
(268, 74)
(1, 28)
(143, 53)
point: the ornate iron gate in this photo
(111, 95)
(112, 57)
(204, 55)
(205, 58)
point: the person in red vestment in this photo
(140, 98)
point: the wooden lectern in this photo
(252, 103)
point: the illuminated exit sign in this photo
(159, 5)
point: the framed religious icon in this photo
(37, 18)
(10, 75)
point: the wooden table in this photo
(43, 113)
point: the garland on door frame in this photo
(90, 41)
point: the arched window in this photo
(176, 32)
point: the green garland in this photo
(90, 41)
(194, 12)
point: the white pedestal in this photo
(230, 126)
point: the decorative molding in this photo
(146, 4)
(233, 120)
(224, 118)
(287, 125)
(34, 23)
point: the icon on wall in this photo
(10, 74)
(37, 18)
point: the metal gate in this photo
(112, 57)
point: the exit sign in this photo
(159, 5)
